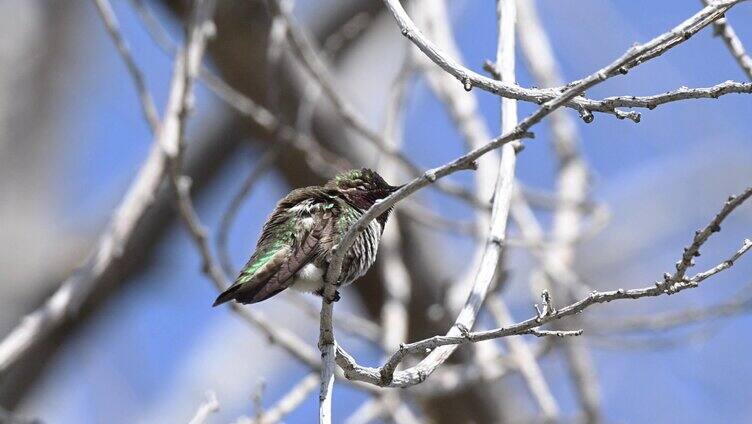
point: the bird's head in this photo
(362, 187)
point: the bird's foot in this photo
(335, 298)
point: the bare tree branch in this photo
(470, 79)
(572, 185)
(257, 171)
(76, 289)
(524, 357)
(208, 407)
(667, 286)
(414, 375)
(721, 28)
(741, 303)
(288, 403)
(313, 62)
(149, 109)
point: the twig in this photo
(369, 411)
(524, 357)
(276, 43)
(701, 236)
(721, 28)
(156, 31)
(104, 8)
(259, 168)
(208, 407)
(384, 407)
(257, 398)
(289, 401)
(741, 303)
(452, 379)
(470, 79)
(349, 31)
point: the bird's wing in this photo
(286, 245)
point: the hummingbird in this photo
(297, 240)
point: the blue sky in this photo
(151, 354)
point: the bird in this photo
(298, 238)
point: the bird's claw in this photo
(335, 298)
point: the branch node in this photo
(587, 116)
(464, 331)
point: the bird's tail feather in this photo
(227, 295)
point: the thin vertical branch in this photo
(723, 29)
(395, 317)
(258, 170)
(505, 64)
(148, 108)
(525, 359)
(571, 189)
(328, 348)
(463, 109)
(208, 407)
(394, 314)
(495, 240)
(289, 401)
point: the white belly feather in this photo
(308, 279)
